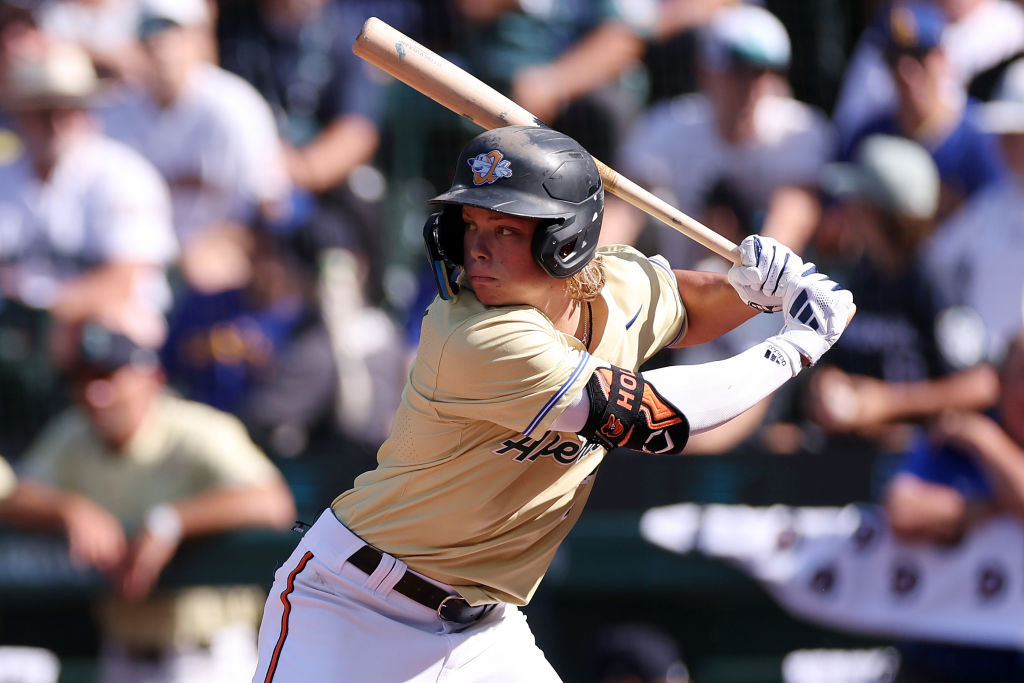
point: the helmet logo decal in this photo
(489, 167)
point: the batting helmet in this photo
(526, 171)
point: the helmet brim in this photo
(508, 201)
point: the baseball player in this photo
(526, 375)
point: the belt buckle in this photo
(441, 608)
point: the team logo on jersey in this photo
(489, 167)
(553, 445)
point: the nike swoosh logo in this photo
(635, 316)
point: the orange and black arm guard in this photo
(627, 412)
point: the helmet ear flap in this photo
(451, 233)
(442, 236)
(563, 247)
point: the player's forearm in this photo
(709, 394)
(712, 306)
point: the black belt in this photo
(449, 607)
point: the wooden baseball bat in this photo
(445, 83)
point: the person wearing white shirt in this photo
(742, 128)
(978, 251)
(84, 220)
(208, 131)
(979, 36)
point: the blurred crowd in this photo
(211, 267)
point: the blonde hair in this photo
(586, 284)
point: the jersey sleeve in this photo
(645, 293)
(670, 320)
(511, 373)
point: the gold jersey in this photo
(473, 488)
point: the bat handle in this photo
(626, 189)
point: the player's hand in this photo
(766, 270)
(817, 311)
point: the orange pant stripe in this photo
(284, 615)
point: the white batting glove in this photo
(766, 270)
(817, 310)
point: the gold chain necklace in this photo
(588, 327)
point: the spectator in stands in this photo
(298, 55)
(134, 472)
(741, 127)
(327, 105)
(902, 358)
(931, 107)
(106, 29)
(967, 467)
(84, 221)
(980, 36)
(261, 351)
(977, 252)
(19, 33)
(574, 64)
(209, 133)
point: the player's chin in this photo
(491, 298)
(489, 291)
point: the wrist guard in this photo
(627, 412)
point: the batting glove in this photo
(766, 269)
(817, 311)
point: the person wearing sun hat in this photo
(83, 219)
(911, 352)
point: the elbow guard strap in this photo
(627, 412)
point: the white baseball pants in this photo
(327, 621)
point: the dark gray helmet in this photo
(526, 171)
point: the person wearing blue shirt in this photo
(931, 107)
(967, 467)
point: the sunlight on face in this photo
(499, 259)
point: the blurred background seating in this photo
(231, 168)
